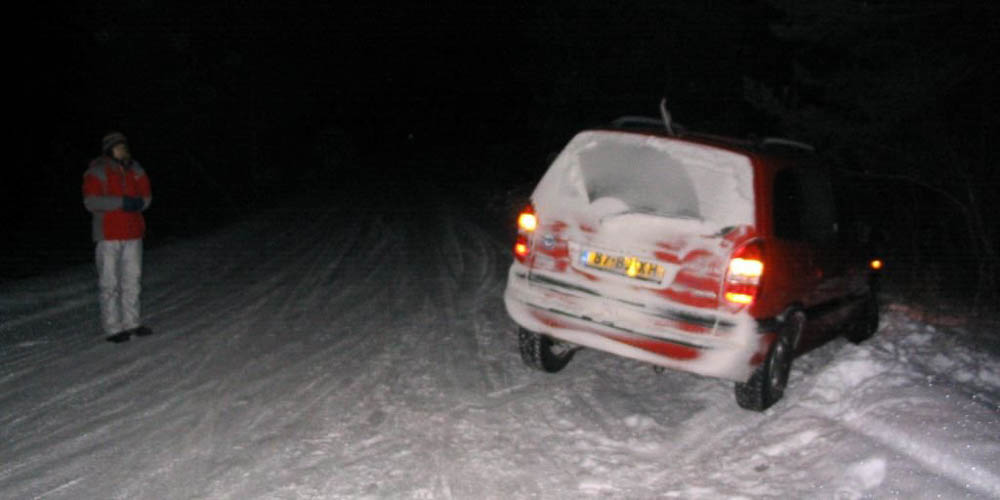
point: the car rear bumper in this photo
(707, 343)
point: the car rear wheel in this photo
(767, 384)
(866, 323)
(542, 353)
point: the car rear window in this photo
(646, 179)
(613, 172)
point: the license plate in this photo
(632, 267)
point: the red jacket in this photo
(105, 182)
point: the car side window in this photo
(804, 207)
(787, 206)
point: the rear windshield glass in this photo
(607, 173)
(645, 179)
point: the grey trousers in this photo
(119, 272)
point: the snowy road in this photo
(360, 349)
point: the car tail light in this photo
(521, 246)
(527, 222)
(746, 268)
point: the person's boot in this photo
(141, 331)
(119, 337)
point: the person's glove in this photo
(132, 204)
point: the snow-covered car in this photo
(691, 252)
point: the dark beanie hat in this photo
(111, 139)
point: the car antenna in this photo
(667, 120)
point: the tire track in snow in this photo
(261, 276)
(944, 462)
(51, 326)
(474, 286)
(284, 290)
(223, 313)
(421, 348)
(192, 369)
(302, 401)
(64, 322)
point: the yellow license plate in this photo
(623, 265)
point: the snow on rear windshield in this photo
(643, 178)
(609, 173)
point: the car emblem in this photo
(548, 241)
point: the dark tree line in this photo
(900, 97)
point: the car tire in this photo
(768, 382)
(537, 352)
(866, 324)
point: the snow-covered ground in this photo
(360, 349)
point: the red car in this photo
(698, 253)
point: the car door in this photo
(806, 224)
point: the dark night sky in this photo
(241, 87)
(418, 67)
(240, 94)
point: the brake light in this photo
(521, 246)
(527, 222)
(746, 268)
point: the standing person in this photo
(116, 191)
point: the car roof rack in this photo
(788, 143)
(664, 123)
(647, 123)
(637, 122)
